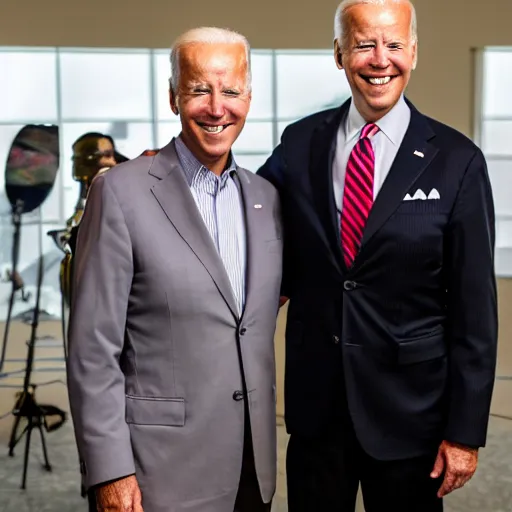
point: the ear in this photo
(338, 56)
(173, 100)
(414, 55)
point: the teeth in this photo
(213, 129)
(380, 81)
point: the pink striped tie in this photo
(357, 193)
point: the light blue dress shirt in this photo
(220, 205)
(385, 142)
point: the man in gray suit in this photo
(176, 287)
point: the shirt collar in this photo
(194, 170)
(393, 125)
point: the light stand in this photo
(26, 404)
(31, 168)
(16, 220)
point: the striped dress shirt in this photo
(220, 205)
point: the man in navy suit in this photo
(392, 323)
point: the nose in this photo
(380, 58)
(107, 161)
(111, 161)
(216, 105)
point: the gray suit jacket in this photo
(159, 357)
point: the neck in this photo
(216, 165)
(369, 115)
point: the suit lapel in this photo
(173, 195)
(406, 169)
(255, 229)
(323, 145)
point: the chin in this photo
(383, 103)
(215, 151)
(220, 147)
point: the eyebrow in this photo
(204, 85)
(195, 83)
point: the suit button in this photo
(238, 395)
(243, 330)
(349, 285)
(335, 339)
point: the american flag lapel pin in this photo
(258, 206)
(419, 153)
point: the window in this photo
(124, 93)
(493, 127)
(28, 89)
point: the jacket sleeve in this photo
(471, 308)
(102, 276)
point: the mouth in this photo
(213, 129)
(378, 80)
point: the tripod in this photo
(26, 405)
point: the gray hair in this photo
(339, 17)
(208, 35)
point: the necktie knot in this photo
(369, 130)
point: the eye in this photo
(395, 46)
(365, 46)
(231, 92)
(200, 90)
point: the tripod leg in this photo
(12, 440)
(47, 464)
(27, 450)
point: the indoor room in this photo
(70, 68)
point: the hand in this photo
(458, 463)
(119, 496)
(283, 300)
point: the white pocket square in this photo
(419, 195)
(434, 194)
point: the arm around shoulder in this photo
(273, 169)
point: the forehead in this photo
(206, 60)
(390, 18)
(104, 144)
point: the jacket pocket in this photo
(422, 349)
(419, 207)
(155, 411)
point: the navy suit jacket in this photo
(404, 340)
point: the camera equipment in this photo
(30, 173)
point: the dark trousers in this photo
(324, 472)
(91, 501)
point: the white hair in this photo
(208, 35)
(341, 11)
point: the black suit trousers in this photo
(324, 473)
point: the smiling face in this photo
(378, 55)
(212, 100)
